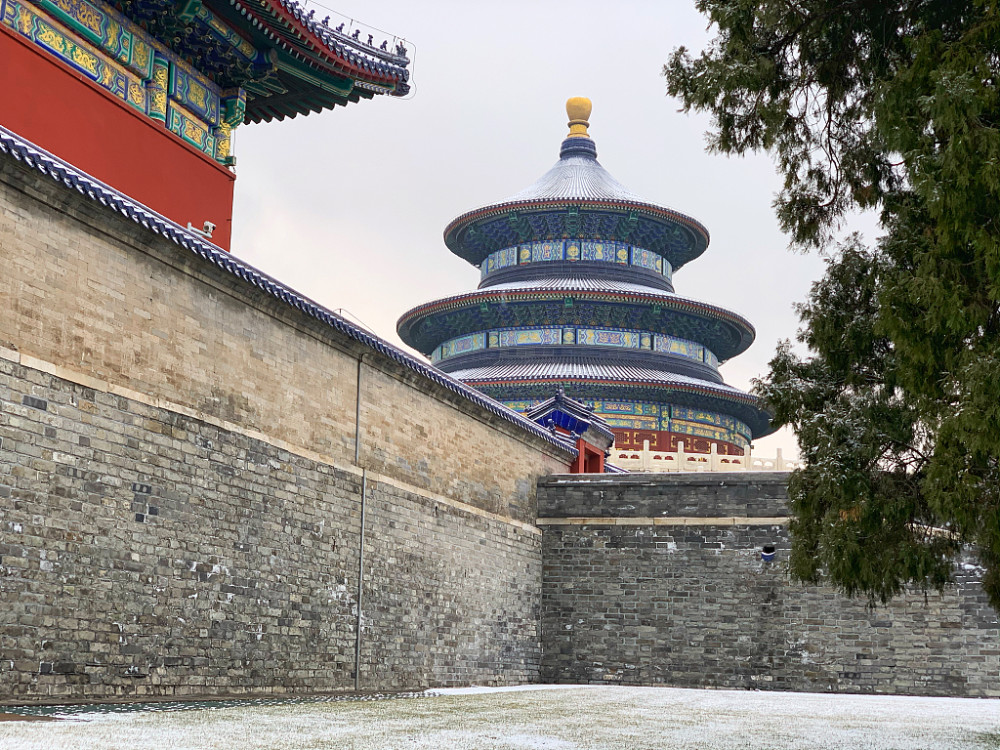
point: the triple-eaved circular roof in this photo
(620, 306)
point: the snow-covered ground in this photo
(550, 718)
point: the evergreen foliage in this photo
(889, 105)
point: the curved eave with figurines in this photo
(286, 61)
(319, 66)
(202, 68)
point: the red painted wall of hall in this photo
(54, 107)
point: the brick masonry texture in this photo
(180, 509)
(144, 553)
(694, 605)
(148, 554)
(451, 598)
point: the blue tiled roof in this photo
(723, 331)
(578, 176)
(61, 171)
(534, 370)
(570, 414)
(511, 380)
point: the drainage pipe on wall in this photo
(361, 533)
(357, 416)
(361, 580)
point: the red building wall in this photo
(46, 102)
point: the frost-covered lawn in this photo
(565, 718)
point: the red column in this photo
(589, 460)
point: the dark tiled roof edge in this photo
(355, 53)
(61, 171)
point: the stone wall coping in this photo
(666, 521)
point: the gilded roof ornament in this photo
(578, 110)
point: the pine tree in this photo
(892, 106)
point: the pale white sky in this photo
(348, 207)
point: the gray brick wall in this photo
(451, 598)
(145, 553)
(180, 514)
(694, 605)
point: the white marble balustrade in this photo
(647, 460)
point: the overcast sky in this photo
(348, 207)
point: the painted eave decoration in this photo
(509, 382)
(476, 234)
(287, 62)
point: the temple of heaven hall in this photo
(577, 293)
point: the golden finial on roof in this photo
(578, 109)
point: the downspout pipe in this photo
(361, 581)
(361, 533)
(357, 415)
